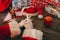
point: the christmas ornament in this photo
(33, 11)
(48, 21)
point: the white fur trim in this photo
(8, 17)
(14, 28)
(40, 16)
(33, 33)
(18, 13)
(39, 34)
(29, 33)
(58, 15)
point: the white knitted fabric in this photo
(28, 25)
(33, 33)
(14, 28)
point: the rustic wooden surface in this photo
(52, 33)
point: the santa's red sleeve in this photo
(11, 29)
(4, 32)
(4, 4)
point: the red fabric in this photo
(34, 10)
(30, 10)
(28, 38)
(4, 32)
(4, 4)
(18, 10)
(37, 7)
(33, 2)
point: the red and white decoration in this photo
(18, 13)
(33, 11)
(9, 17)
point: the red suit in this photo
(4, 4)
(11, 29)
(4, 32)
